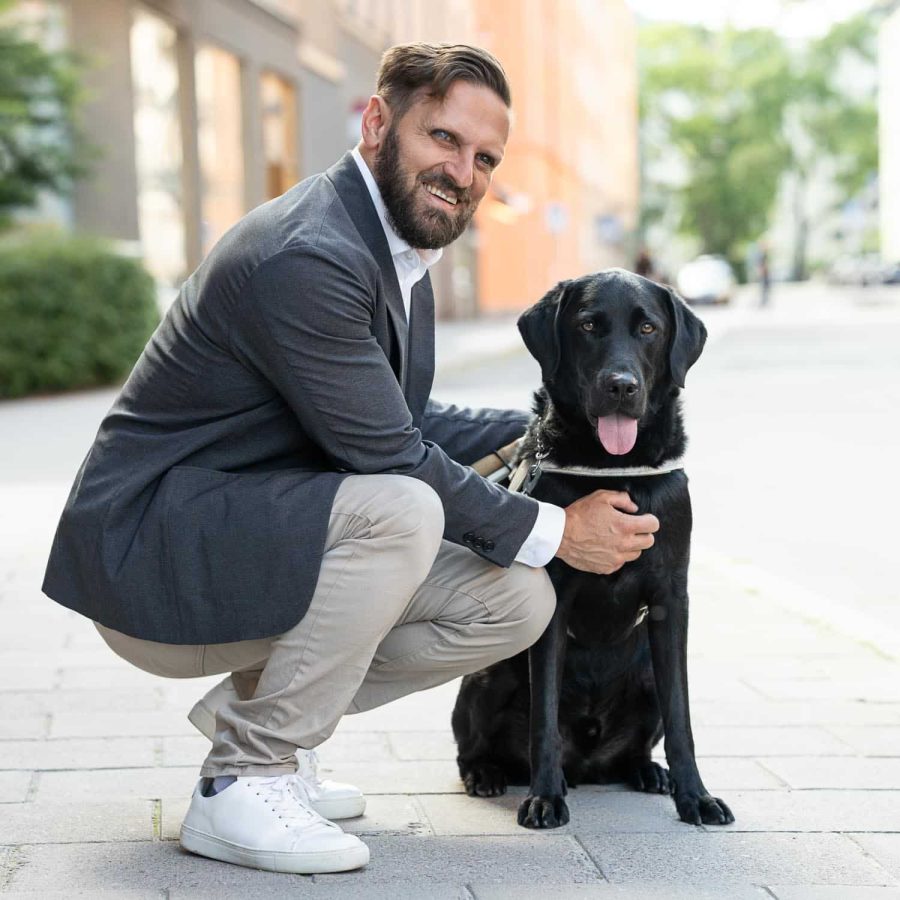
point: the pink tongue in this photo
(617, 433)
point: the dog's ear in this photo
(539, 326)
(688, 337)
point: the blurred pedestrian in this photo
(643, 264)
(763, 274)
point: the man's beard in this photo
(429, 228)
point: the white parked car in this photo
(707, 279)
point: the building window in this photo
(157, 132)
(279, 124)
(218, 85)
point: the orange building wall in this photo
(573, 74)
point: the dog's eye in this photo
(586, 326)
(648, 328)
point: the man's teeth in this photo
(441, 194)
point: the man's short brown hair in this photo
(410, 70)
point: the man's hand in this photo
(602, 533)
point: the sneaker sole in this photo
(313, 863)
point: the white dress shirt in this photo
(411, 265)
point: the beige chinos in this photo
(396, 610)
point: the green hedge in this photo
(73, 314)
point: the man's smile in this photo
(437, 192)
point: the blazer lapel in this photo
(421, 348)
(354, 194)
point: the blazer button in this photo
(468, 537)
(479, 543)
(488, 545)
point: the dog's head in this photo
(611, 345)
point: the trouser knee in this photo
(537, 603)
(416, 524)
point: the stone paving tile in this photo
(591, 811)
(836, 772)
(532, 858)
(385, 814)
(13, 785)
(47, 822)
(870, 740)
(724, 773)
(815, 810)
(792, 712)
(416, 777)
(832, 892)
(720, 857)
(883, 847)
(81, 702)
(22, 727)
(767, 741)
(17, 679)
(100, 677)
(872, 690)
(423, 744)
(122, 724)
(117, 784)
(89, 753)
(616, 892)
(328, 887)
(145, 866)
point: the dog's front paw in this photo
(485, 780)
(543, 812)
(702, 809)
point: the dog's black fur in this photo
(604, 686)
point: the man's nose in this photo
(461, 169)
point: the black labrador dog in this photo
(608, 678)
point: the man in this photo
(273, 495)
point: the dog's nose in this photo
(620, 384)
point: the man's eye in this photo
(440, 134)
(487, 161)
(648, 328)
(587, 326)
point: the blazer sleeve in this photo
(303, 320)
(466, 435)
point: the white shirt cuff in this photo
(541, 545)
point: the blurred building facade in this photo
(889, 136)
(203, 109)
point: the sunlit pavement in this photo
(795, 685)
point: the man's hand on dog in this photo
(603, 533)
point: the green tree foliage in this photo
(716, 99)
(736, 110)
(40, 146)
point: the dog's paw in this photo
(485, 780)
(650, 778)
(702, 809)
(543, 812)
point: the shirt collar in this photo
(396, 244)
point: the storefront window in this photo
(279, 121)
(218, 83)
(157, 131)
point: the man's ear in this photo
(688, 337)
(539, 326)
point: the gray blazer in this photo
(199, 514)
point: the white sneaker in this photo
(267, 823)
(330, 799)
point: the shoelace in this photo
(289, 800)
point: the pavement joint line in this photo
(590, 856)
(851, 836)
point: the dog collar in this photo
(529, 471)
